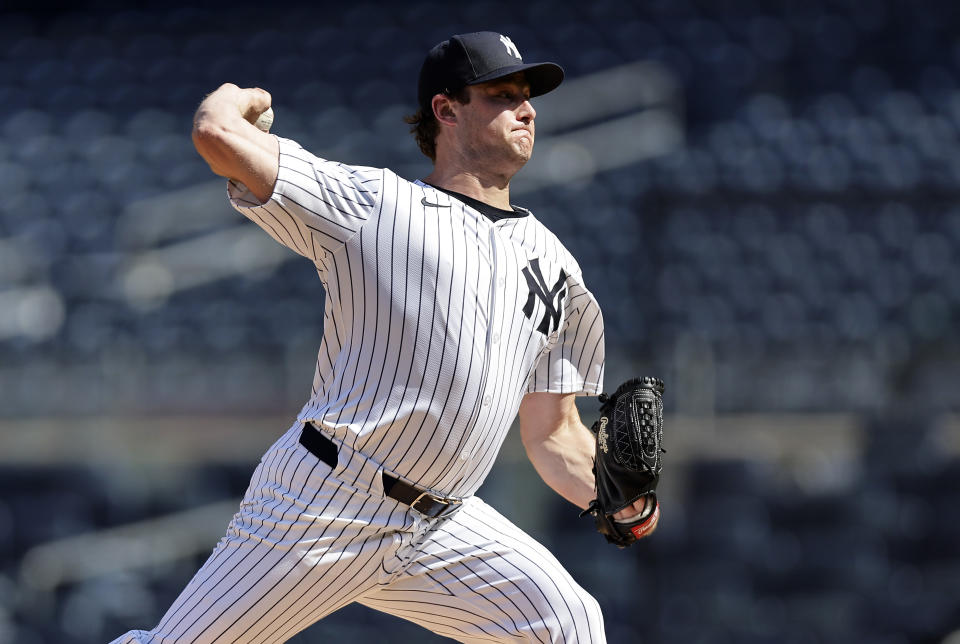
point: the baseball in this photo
(265, 120)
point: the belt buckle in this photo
(451, 505)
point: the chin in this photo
(520, 157)
(524, 149)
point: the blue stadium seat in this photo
(148, 47)
(808, 217)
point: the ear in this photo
(443, 109)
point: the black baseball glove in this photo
(628, 459)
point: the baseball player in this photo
(448, 312)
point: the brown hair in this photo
(425, 126)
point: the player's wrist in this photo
(637, 511)
(645, 527)
(646, 511)
(248, 102)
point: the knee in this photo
(578, 618)
(592, 607)
(593, 617)
(134, 637)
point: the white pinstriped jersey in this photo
(437, 319)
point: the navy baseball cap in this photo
(469, 59)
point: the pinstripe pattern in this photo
(426, 352)
(479, 578)
(430, 341)
(307, 540)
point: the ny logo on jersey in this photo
(539, 290)
(511, 48)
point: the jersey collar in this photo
(490, 212)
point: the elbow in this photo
(208, 136)
(211, 142)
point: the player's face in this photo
(496, 126)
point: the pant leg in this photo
(306, 541)
(477, 577)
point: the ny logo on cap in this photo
(511, 48)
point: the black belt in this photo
(426, 503)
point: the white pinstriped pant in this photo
(308, 540)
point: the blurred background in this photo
(763, 197)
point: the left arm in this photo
(561, 448)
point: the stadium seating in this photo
(810, 206)
(805, 237)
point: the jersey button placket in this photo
(492, 336)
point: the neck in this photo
(493, 193)
(486, 182)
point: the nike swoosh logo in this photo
(434, 205)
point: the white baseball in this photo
(265, 120)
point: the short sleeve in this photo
(316, 205)
(575, 362)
